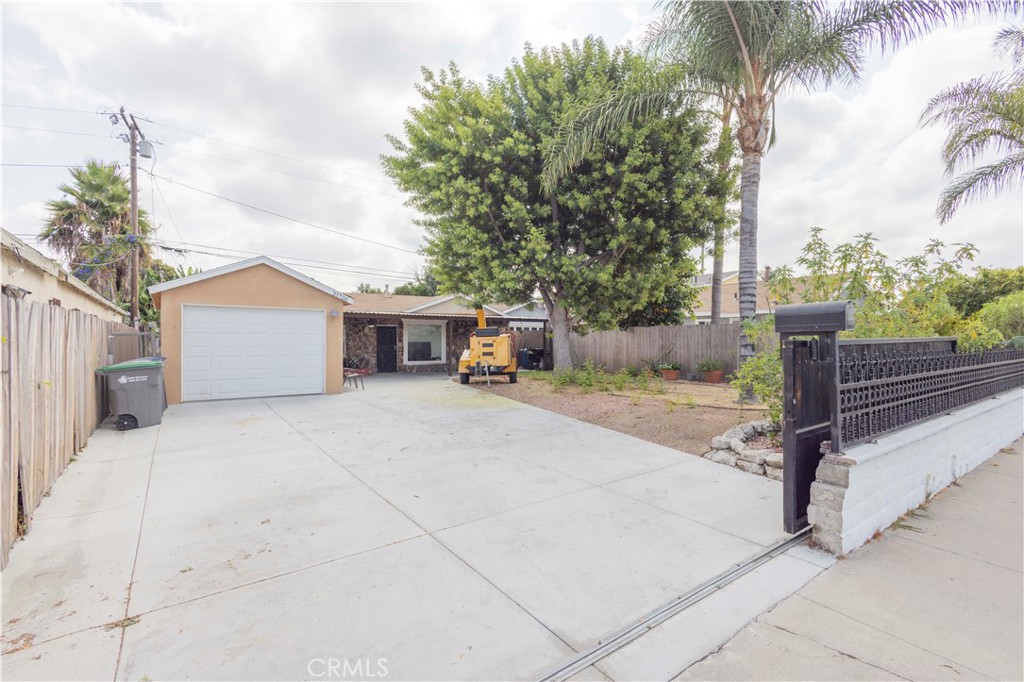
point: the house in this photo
(396, 333)
(30, 275)
(730, 311)
(250, 329)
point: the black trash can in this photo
(135, 390)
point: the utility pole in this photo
(133, 139)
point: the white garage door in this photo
(251, 352)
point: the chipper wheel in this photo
(513, 377)
(463, 378)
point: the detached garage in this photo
(247, 330)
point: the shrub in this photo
(1006, 314)
(762, 376)
(710, 365)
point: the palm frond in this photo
(984, 180)
(1010, 41)
(646, 97)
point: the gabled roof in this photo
(704, 279)
(24, 252)
(245, 264)
(421, 306)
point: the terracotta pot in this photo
(670, 374)
(713, 376)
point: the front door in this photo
(387, 349)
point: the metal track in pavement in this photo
(620, 638)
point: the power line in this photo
(41, 165)
(50, 130)
(275, 170)
(297, 258)
(268, 153)
(71, 111)
(281, 215)
(289, 262)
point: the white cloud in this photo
(325, 82)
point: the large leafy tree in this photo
(425, 284)
(90, 228)
(969, 294)
(985, 115)
(604, 242)
(746, 55)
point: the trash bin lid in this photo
(140, 363)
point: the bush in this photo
(1006, 314)
(762, 376)
(710, 365)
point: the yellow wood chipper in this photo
(491, 352)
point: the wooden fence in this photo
(52, 399)
(685, 344)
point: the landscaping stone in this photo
(750, 467)
(721, 443)
(722, 457)
(731, 449)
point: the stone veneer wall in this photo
(361, 342)
(869, 486)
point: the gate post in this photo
(810, 384)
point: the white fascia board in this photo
(242, 265)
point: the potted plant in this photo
(712, 370)
(669, 371)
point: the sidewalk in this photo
(937, 597)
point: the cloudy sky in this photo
(285, 107)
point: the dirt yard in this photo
(685, 417)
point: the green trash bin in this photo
(135, 390)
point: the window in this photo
(424, 342)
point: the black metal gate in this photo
(807, 419)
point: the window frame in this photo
(406, 324)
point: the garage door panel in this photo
(237, 352)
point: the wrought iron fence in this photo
(885, 385)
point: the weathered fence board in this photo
(684, 344)
(52, 400)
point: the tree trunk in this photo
(750, 182)
(716, 276)
(561, 327)
(724, 163)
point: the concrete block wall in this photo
(869, 486)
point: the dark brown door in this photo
(387, 349)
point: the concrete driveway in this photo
(415, 530)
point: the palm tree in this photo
(984, 115)
(90, 228)
(745, 55)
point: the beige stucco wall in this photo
(259, 286)
(46, 286)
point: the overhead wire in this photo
(371, 270)
(264, 151)
(275, 170)
(283, 216)
(308, 266)
(51, 130)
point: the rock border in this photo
(731, 449)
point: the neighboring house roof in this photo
(730, 298)
(533, 309)
(421, 306)
(704, 280)
(25, 253)
(242, 265)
